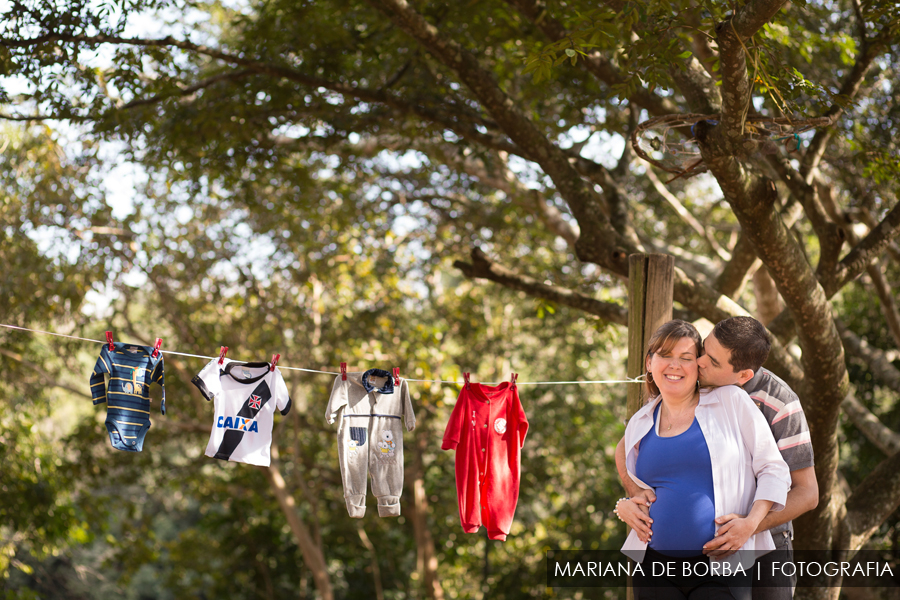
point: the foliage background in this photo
(307, 187)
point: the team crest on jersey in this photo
(255, 401)
(237, 423)
(500, 426)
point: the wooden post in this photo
(651, 285)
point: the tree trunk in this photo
(768, 306)
(426, 560)
(312, 554)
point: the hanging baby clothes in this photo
(370, 437)
(246, 396)
(131, 370)
(487, 428)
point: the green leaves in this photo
(308, 194)
(644, 38)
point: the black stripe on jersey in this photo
(261, 394)
(230, 442)
(233, 437)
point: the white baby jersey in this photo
(246, 396)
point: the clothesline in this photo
(639, 379)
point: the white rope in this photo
(639, 379)
(71, 337)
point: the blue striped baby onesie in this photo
(131, 370)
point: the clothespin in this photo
(513, 378)
(156, 347)
(222, 354)
(275, 358)
(396, 375)
(344, 371)
(109, 339)
(466, 377)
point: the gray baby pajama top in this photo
(371, 411)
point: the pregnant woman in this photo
(704, 453)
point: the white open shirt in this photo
(746, 463)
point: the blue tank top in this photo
(680, 471)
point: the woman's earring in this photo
(650, 377)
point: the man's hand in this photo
(734, 532)
(645, 497)
(635, 512)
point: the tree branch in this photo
(191, 89)
(463, 125)
(739, 269)
(373, 560)
(595, 63)
(830, 235)
(866, 218)
(32, 118)
(552, 217)
(876, 275)
(698, 266)
(686, 215)
(504, 179)
(888, 303)
(753, 200)
(752, 16)
(872, 246)
(736, 86)
(768, 304)
(816, 150)
(887, 440)
(876, 360)
(46, 377)
(599, 242)
(852, 266)
(312, 554)
(483, 268)
(701, 94)
(873, 501)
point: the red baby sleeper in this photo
(487, 429)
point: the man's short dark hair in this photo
(746, 339)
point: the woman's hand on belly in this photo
(635, 512)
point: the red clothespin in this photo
(466, 377)
(156, 347)
(396, 375)
(109, 339)
(275, 358)
(513, 378)
(344, 371)
(222, 354)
